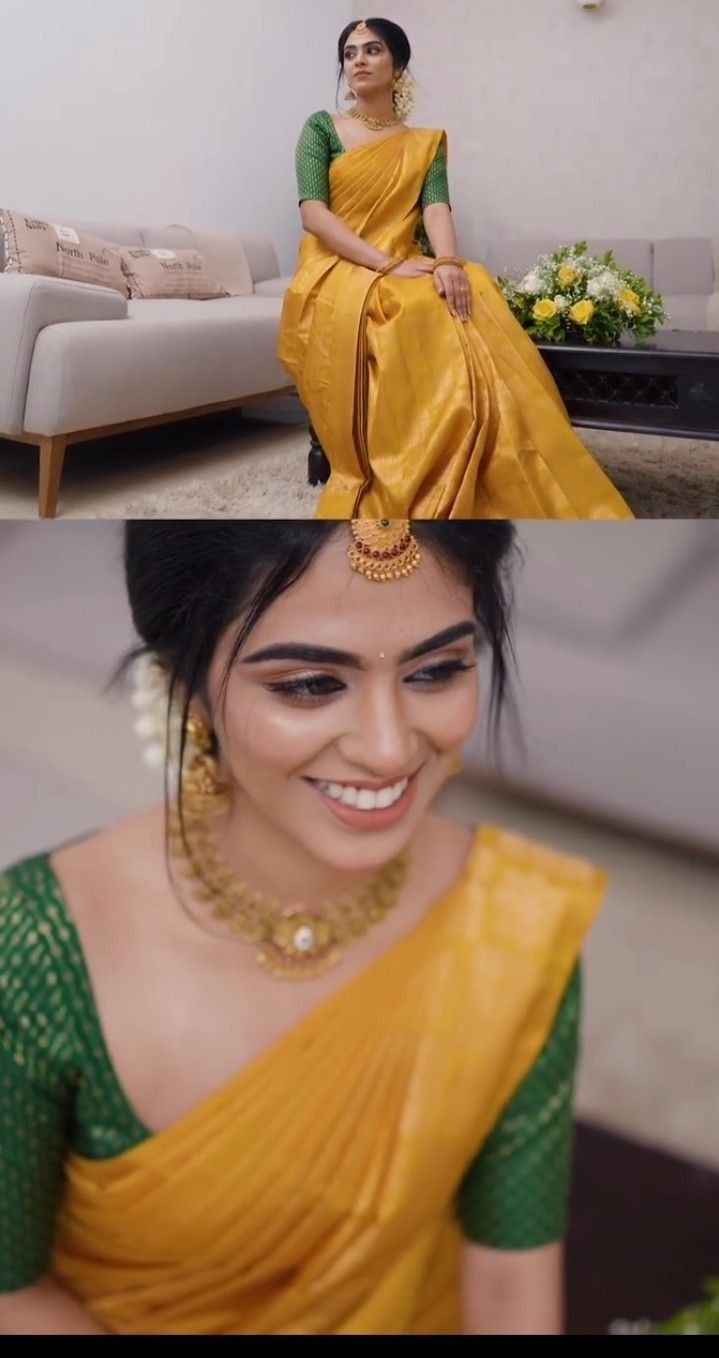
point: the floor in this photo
(254, 466)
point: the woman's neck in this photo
(379, 105)
(275, 863)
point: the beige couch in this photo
(79, 362)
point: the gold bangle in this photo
(387, 268)
(448, 259)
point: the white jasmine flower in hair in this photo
(149, 697)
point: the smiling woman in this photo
(292, 1053)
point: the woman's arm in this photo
(451, 281)
(439, 225)
(513, 1202)
(337, 236)
(45, 1308)
(513, 1291)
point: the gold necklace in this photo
(376, 124)
(295, 943)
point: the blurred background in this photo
(618, 655)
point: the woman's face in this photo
(347, 704)
(368, 63)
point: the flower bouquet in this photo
(702, 1318)
(574, 295)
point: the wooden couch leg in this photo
(52, 456)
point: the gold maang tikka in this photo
(383, 549)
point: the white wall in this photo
(163, 110)
(572, 123)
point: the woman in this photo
(427, 396)
(305, 1067)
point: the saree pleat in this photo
(314, 1193)
(420, 415)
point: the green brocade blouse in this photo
(59, 1092)
(320, 144)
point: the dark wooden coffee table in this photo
(669, 386)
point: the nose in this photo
(383, 741)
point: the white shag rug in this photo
(661, 478)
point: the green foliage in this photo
(572, 294)
(700, 1319)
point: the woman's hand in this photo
(418, 267)
(453, 284)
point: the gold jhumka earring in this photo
(204, 791)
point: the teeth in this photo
(364, 799)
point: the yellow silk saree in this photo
(420, 415)
(314, 1193)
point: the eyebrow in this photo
(326, 655)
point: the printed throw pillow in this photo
(33, 246)
(169, 273)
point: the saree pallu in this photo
(314, 1193)
(420, 415)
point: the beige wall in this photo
(572, 123)
(163, 110)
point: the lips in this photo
(365, 798)
(365, 806)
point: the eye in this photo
(307, 688)
(440, 673)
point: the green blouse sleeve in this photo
(515, 1195)
(436, 184)
(312, 160)
(35, 1081)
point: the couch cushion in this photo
(683, 266)
(630, 254)
(168, 273)
(56, 250)
(686, 313)
(513, 257)
(117, 233)
(181, 309)
(261, 258)
(86, 376)
(168, 238)
(273, 287)
(226, 259)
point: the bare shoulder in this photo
(116, 859)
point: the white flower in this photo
(561, 303)
(149, 698)
(531, 283)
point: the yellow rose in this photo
(544, 310)
(568, 275)
(630, 300)
(582, 312)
